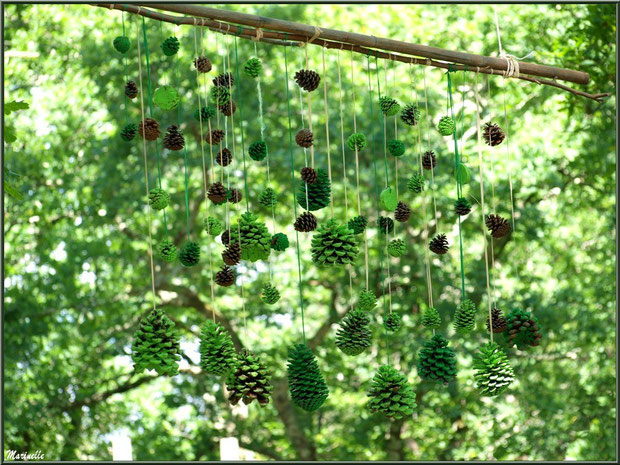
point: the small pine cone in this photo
(190, 254)
(224, 80)
(223, 157)
(225, 277)
(462, 206)
(493, 134)
(220, 95)
(232, 254)
(268, 198)
(465, 317)
(389, 106)
(493, 371)
(167, 251)
(429, 161)
(402, 212)
(170, 46)
(367, 300)
(439, 244)
(431, 318)
(131, 90)
(392, 322)
(225, 237)
(436, 361)
(205, 113)
(234, 195)
(396, 247)
(202, 64)
(217, 193)
(279, 242)
(391, 394)
(129, 132)
(356, 141)
(253, 67)
(305, 222)
(385, 225)
(249, 381)
(149, 129)
(307, 79)
(121, 44)
(213, 226)
(173, 140)
(498, 226)
(270, 295)
(396, 148)
(446, 126)
(158, 198)
(416, 183)
(228, 108)
(309, 175)
(410, 114)
(523, 329)
(358, 224)
(304, 138)
(354, 335)
(215, 136)
(258, 150)
(499, 321)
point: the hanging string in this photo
(484, 235)
(301, 113)
(310, 113)
(146, 173)
(383, 123)
(240, 106)
(428, 144)
(371, 109)
(395, 128)
(329, 161)
(126, 72)
(507, 126)
(493, 203)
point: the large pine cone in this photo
(155, 345)
(385, 225)
(228, 108)
(436, 361)
(465, 317)
(149, 129)
(250, 381)
(498, 320)
(429, 161)
(306, 383)
(304, 138)
(173, 140)
(307, 79)
(439, 244)
(493, 371)
(232, 254)
(217, 351)
(523, 329)
(402, 212)
(217, 193)
(224, 80)
(493, 134)
(498, 226)
(309, 175)
(225, 277)
(391, 394)
(223, 157)
(131, 89)
(202, 64)
(354, 336)
(334, 244)
(305, 222)
(215, 136)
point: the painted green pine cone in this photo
(318, 194)
(391, 394)
(268, 198)
(431, 318)
(205, 113)
(190, 254)
(358, 224)
(493, 371)
(249, 381)
(217, 351)
(410, 114)
(167, 251)
(121, 44)
(389, 106)
(523, 329)
(392, 322)
(446, 126)
(465, 317)
(258, 150)
(213, 226)
(305, 380)
(357, 140)
(279, 242)
(220, 95)
(129, 132)
(416, 183)
(354, 336)
(385, 225)
(158, 198)
(270, 294)
(396, 148)
(155, 345)
(367, 300)
(396, 247)
(255, 238)
(334, 245)
(170, 46)
(253, 67)
(436, 361)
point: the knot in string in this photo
(259, 35)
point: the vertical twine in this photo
(329, 161)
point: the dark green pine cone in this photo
(129, 132)
(431, 318)
(167, 251)
(358, 224)
(354, 336)
(367, 300)
(217, 351)
(170, 46)
(190, 254)
(305, 381)
(465, 317)
(385, 225)
(389, 106)
(416, 183)
(270, 294)
(255, 238)
(522, 329)
(121, 44)
(334, 244)
(436, 361)
(392, 322)
(396, 148)
(279, 242)
(258, 150)
(410, 114)
(155, 346)
(319, 193)
(205, 113)
(391, 394)
(493, 371)
(462, 206)
(158, 198)
(249, 381)
(268, 198)
(253, 67)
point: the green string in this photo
(290, 137)
(148, 71)
(245, 176)
(374, 161)
(126, 72)
(382, 124)
(459, 183)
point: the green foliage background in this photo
(77, 277)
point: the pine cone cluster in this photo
(392, 322)
(253, 67)
(217, 351)
(367, 300)
(249, 381)
(396, 247)
(213, 226)
(391, 394)
(223, 157)
(304, 138)
(220, 95)
(167, 251)
(232, 254)
(155, 345)
(462, 206)
(158, 198)
(215, 136)
(170, 46)
(493, 371)
(493, 134)
(190, 254)
(356, 141)
(305, 381)
(255, 238)
(149, 129)
(522, 329)
(431, 318)
(268, 198)
(217, 193)
(354, 336)
(279, 242)
(410, 114)
(319, 193)
(309, 175)
(385, 225)
(225, 80)
(436, 361)
(173, 140)
(234, 195)
(498, 320)
(205, 113)
(396, 148)
(228, 108)
(389, 106)
(306, 222)
(416, 183)
(439, 244)
(121, 44)
(258, 150)
(307, 79)
(129, 132)
(131, 90)
(465, 317)
(446, 126)
(358, 224)
(225, 277)
(203, 64)
(498, 226)
(402, 212)
(270, 294)
(334, 244)
(429, 161)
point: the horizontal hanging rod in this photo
(284, 39)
